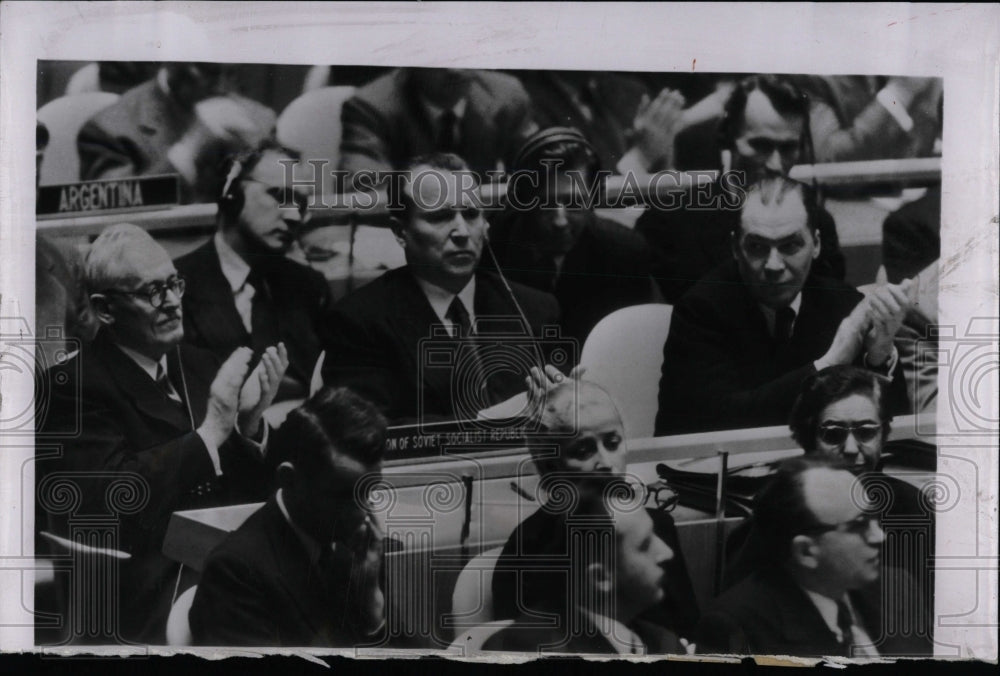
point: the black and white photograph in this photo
(496, 331)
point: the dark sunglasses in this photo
(835, 434)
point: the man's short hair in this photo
(443, 162)
(559, 415)
(831, 385)
(333, 421)
(780, 511)
(787, 98)
(775, 189)
(235, 168)
(103, 268)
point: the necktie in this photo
(164, 384)
(459, 316)
(783, 320)
(845, 623)
(243, 299)
(476, 374)
(263, 323)
(447, 134)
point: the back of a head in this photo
(334, 420)
(826, 387)
(106, 263)
(786, 98)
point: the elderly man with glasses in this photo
(822, 588)
(137, 409)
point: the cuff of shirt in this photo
(213, 453)
(261, 445)
(887, 97)
(887, 369)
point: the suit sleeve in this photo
(365, 141)
(229, 607)
(699, 385)
(356, 357)
(104, 155)
(719, 634)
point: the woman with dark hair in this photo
(841, 413)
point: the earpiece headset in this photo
(231, 198)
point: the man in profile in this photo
(579, 447)
(821, 590)
(744, 338)
(137, 405)
(305, 569)
(382, 332)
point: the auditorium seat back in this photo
(178, 625)
(472, 599)
(64, 117)
(473, 640)
(623, 354)
(311, 125)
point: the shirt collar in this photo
(440, 299)
(827, 608)
(770, 314)
(617, 634)
(436, 111)
(145, 363)
(234, 268)
(312, 547)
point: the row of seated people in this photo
(186, 113)
(304, 570)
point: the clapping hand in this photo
(656, 125)
(886, 306)
(260, 388)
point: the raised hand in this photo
(887, 308)
(261, 387)
(224, 397)
(656, 124)
(848, 341)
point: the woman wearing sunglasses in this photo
(841, 413)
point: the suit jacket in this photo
(385, 123)
(260, 588)
(113, 422)
(132, 137)
(612, 100)
(768, 614)
(911, 236)
(607, 269)
(299, 306)
(721, 369)
(678, 611)
(575, 632)
(692, 237)
(377, 334)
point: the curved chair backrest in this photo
(472, 599)
(623, 354)
(473, 640)
(311, 125)
(178, 626)
(64, 117)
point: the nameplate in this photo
(112, 195)
(454, 438)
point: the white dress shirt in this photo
(440, 301)
(827, 607)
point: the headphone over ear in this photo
(534, 149)
(231, 198)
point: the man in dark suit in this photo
(242, 290)
(305, 569)
(744, 338)
(183, 121)
(580, 446)
(550, 238)
(139, 410)
(822, 590)
(382, 344)
(763, 133)
(604, 568)
(481, 116)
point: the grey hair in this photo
(103, 268)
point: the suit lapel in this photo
(800, 621)
(210, 303)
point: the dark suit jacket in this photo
(768, 614)
(110, 418)
(607, 269)
(721, 369)
(576, 633)
(386, 125)
(132, 137)
(678, 611)
(259, 588)
(375, 346)
(691, 236)
(299, 304)
(911, 236)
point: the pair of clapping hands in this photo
(872, 325)
(237, 400)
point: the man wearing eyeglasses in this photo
(243, 290)
(821, 589)
(744, 338)
(138, 409)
